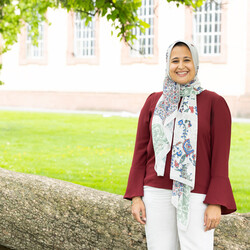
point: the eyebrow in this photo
(185, 57)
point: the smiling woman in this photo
(178, 181)
(181, 68)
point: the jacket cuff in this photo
(220, 193)
(129, 196)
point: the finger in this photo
(205, 219)
(141, 220)
(217, 223)
(218, 220)
(208, 224)
(143, 214)
(137, 217)
(142, 217)
(212, 225)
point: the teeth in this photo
(181, 73)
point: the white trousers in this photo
(161, 228)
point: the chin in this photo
(182, 83)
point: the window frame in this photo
(23, 59)
(127, 58)
(189, 35)
(71, 59)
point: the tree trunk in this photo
(42, 213)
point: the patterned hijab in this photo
(169, 121)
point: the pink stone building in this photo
(76, 67)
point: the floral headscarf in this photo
(169, 121)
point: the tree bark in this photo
(37, 212)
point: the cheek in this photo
(171, 71)
(192, 70)
(193, 74)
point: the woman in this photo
(178, 181)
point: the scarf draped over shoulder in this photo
(178, 125)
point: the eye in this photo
(187, 60)
(175, 61)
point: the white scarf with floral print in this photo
(169, 121)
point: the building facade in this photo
(81, 67)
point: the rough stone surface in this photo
(42, 213)
(233, 232)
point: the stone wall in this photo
(42, 213)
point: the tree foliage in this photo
(122, 14)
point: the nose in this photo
(181, 65)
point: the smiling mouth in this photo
(182, 73)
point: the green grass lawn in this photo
(94, 151)
(239, 162)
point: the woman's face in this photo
(181, 67)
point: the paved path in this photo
(103, 113)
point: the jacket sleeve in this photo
(219, 190)
(138, 168)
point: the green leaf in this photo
(122, 13)
(144, 24)
(109, 16)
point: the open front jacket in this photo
(213, 146)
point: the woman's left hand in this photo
(212, 217)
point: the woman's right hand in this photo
(138, 210)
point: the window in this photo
(33, 51)
(32, 54)
(83, 44)
(207, 28)
(146, 46)
(84, 37)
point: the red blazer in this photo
(213, 146)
